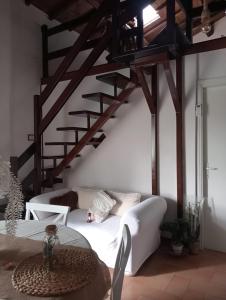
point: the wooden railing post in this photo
(45, 66)
(38, 145)
(155, 132)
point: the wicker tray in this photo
(73, 268)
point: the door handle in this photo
(211, 169)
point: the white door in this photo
(214, 163)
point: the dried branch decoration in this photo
(10, 187)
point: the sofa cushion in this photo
(86, 196)
(123, 201)
(101, 206)
(68, 199)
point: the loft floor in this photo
(193, 277)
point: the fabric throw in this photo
(86, 197)
(123, 201)
(101, 206)
(69, 199)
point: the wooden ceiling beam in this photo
(213, 7)
(71, 24)
(94, 3)
(206, 46)
(28, 2)
(60, 9)
(146, 90)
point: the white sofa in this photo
(143, 220)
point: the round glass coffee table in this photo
(35, 230)
(27, 243)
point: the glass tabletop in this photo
(35, 230)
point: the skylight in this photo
(149, 15)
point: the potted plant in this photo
(179, 232)
(193, 217)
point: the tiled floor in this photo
(192, 277)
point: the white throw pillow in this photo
(86, 197)
(123, 201)
(102, 205)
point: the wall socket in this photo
(30, 137)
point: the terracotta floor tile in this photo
(199, 284)
(217, 290)
(193, 295)
(219, 278)
(178, 285)
(164, 277)
(158, 295)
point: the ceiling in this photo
(67, 10)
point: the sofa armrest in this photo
(45, 199)
(144, 220)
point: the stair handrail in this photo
(17, 162)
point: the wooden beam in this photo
(45, 65)
(38, 145)
(172, 86)
(95, 70)
(71, 24)
(206, 46)
(94, 3)
(59, 9)
(67, 61)
(179, 139)
(68, 91)
(170, 16)
(146, 91)
(123, 96)
(155, 133)
(153, 59)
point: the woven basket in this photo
(72, 269)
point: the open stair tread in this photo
(106, 99)
(87, 113)
(52, 168)
(73, 128)
(114, 78)
(56, 156)
(49, 183)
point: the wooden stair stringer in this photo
(95, 127)
(68, 91)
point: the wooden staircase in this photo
(46, 175)
(94, 121)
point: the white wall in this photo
(20, 73)
(5, 77)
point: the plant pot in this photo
(177, 249)
(194, 248)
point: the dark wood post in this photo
(179, 138)
(38, 145)
(155, 132)
(189, 20)
(115, 47)
(45, 66)
(140, 25)
(170, 16)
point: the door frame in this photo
(201, 94)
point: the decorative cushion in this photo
(102, 205)
(68, 199)
(86, 197)
(123, 201)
